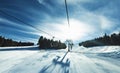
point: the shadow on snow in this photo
(62, 66)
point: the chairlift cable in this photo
(18, 19)
(26, 23)
(67, 13)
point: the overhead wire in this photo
(68, 19)
(67, 13)
(18, 19)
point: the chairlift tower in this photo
(69, 44)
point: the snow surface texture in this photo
(104, 59)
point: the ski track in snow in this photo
(56, 61)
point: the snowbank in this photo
(106, 51)
(115, 54)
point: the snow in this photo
(105, 59)
(106, 51)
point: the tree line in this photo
(106, 40)
(9, 42)
(45, 43)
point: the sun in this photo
(62, 31)
(76, 30)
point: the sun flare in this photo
(62, 31)
(76, 30)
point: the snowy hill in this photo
(105, 59)
(106, 51)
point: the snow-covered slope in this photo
(80, 60)
(106, 51)
(100, 49)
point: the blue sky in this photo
(88, 19)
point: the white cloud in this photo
(73, 2)
(83, 22)
(41, 1)
(76, 31)
(78, 1)
(106, 24)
